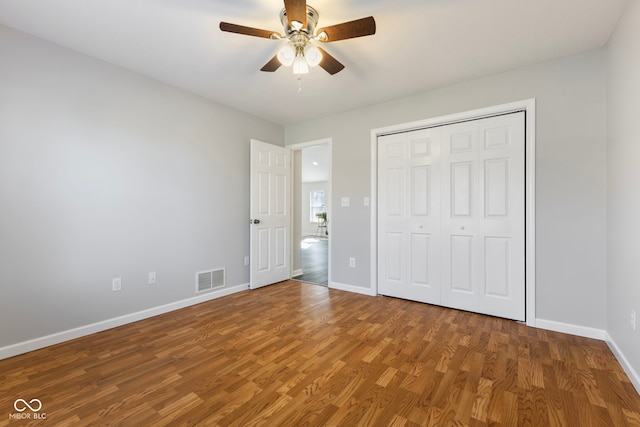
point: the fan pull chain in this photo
(299, 84)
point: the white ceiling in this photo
(419, 44)
(315, 164)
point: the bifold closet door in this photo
(451, 216)
(409, 216)
(483, 217)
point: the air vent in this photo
(208, 280)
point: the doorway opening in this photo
(311, 200)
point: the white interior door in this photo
(451, 215)
(483, 216)
(270, 207)
(409, 215)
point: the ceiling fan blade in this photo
(248, 31)
(296, 11)
(330, 64)
(272, 65)
(348, 30)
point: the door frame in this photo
(296, 198)
(529, 107)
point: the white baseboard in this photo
(296, 273)
(59, 337)
(633, 375)
(566, 328)
(351, 288)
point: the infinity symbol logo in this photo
(21, 405)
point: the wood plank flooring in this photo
(295, 354)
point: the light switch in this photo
(344, 202)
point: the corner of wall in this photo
(624, 362)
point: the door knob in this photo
(254, 221)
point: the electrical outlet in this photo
(116, 284)
(152, 278)
(246, 260)
(352, 262)
(633, 319)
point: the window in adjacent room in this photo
(316, 206)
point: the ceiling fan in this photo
(299, 21)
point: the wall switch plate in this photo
(246, 260)
(633, 319)
(344, 202)
(365, 201)
(152, 278)
(352, 262)
(116, 284)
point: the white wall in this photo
(106, 173)
(623, 173)
(307, 187)
(570, 176)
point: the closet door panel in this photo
(408, 216)
(483, 216)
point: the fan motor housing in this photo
(310, 29)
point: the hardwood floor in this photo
(294, 354)
(315, 260)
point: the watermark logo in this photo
(21, 405)
(34, 406)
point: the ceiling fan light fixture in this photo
(286, 55)
(312, 55)
(299, 22)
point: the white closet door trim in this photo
(529, 106)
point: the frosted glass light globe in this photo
(286, 55)
(312, 55)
